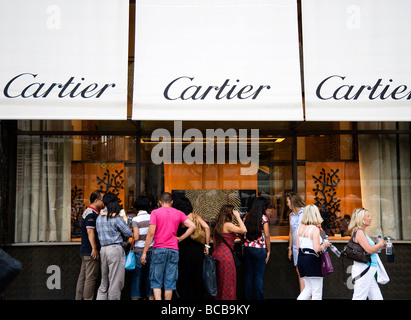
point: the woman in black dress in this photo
(191, 254)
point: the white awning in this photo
(217, 60)
(63, 59)
(357, 64)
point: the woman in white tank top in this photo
(309, 260)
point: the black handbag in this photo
(9, 269)
(238, 259)
(355, 252)
(210, 274)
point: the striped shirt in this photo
(141, 221)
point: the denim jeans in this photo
(141, 277)
(255, 268)
(164, 268)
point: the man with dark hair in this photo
(164, 223)
(140, 223)
(89, 249)
(166, 198)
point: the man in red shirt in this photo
(164, 223)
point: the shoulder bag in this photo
(355, 252)
(210, 274)
(326, 264)
(238, 259)
(9, 269)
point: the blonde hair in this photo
(311, 215)
(357, 219)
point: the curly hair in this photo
(142, 203)
(183, 204)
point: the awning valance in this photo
(217, 60)
(357, 64)
(63, 59)
(206, 60)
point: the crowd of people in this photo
(168, 260)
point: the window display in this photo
(326, 164)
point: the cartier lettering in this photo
(337, 88)
(24, 86)
(184, 88)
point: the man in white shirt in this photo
(140, 225)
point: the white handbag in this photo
(382, 276)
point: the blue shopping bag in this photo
(131, 261)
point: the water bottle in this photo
(130, 219)
(388, 251)
(379, 237)
(333, 248)
(325, 240)
(388, 248)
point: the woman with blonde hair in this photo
(309, 249)
(366, 286)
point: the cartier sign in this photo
(336, 87)
(23, 87)
(63, 60)
(226, 90)
(356, 56)
(217, 60)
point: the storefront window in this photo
(337, 166)
(43, 181)
(57, 173)
(384, 161)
